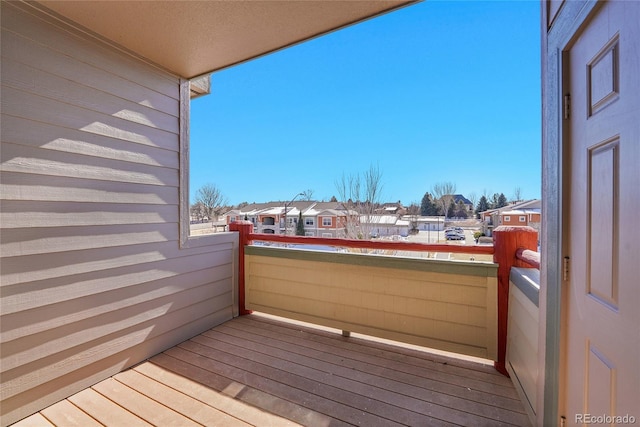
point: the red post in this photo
(506, 241)
(244, 228)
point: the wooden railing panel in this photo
(410, 300)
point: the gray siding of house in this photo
(93, 276)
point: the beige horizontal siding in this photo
(49, 266)
(20, 186)
(33, 133)
(522, 347)
(41, 82)
(18, 103)
(453, 312)
(93, 276)
(24, 214)
(26, 51)
(38, 27)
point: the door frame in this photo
(557, 34)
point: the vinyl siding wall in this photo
(93, 276)
(522, 336)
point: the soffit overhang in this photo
(193, 38)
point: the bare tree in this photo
(414, 213)
(307, 195)
(517, 194)
(360, 195)
(473, 198)
(197, 211)
(444, 192)
(211, 199)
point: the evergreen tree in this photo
(300, 225)
(493, 204)
(502, 200)
(461, 210)
(483, 205)
(451, 211)
(428, 206)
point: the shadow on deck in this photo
(257, 370)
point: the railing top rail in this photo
(372, 244)
(529, 257)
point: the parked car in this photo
(454, 235)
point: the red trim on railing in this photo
(513, 246)
(373, 244)
(531, 258)
(244, 229)
(507, 240)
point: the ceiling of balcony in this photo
(192, 38)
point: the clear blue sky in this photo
(439, 91)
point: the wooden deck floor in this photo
(259, 371)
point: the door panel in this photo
(601, 308)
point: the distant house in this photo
(524, 216)
(384, 225)
(391, 209)
(521, 213)
(321, 219)
(457, 198)
(426, 223)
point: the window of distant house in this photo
(292, 221)
(523, 218)
(309, 233)
(308, 221)
(507, 219)
(232, 219)
(326, 222)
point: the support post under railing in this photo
(244, 228)
(506, 241)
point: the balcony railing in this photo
(522, 339)
(456, 306)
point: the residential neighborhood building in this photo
(391, 209)
(321, 219)
(425, 223)
(385, 225)
(457, 198)
(520, 213)
(522, 217)
(328, 219)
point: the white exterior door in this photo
(600, 375)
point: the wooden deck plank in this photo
(449, 407)
(186, 383)
(144, 407)
(35, 420)
(473, 368)
(65, 413)
(324, 384)
(422, 358)
(425, 364)
(241, 371)
(268, 402)
(104, 410)
(260, 371)
(179, 402)
(380, 367)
